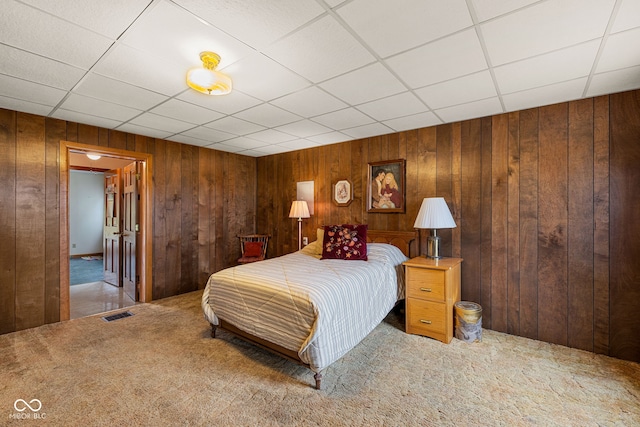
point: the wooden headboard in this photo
(400, 239)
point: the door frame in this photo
(146, 217)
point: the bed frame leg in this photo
(213, 330)
(318, 378)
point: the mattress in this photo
(317, 308)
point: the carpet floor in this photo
(160, 367)
(85, 271)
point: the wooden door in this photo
(111, 228)
(130, 230)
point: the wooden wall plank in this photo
(624, 225)
(8, 232)
(205, 247)
(528, 212)
(580, 226)
(601, 300)
(189, 218)
(470, 212)
(513, 225)
(552, 208)
(444, 154)
(499, 213)
(159, 218)
(486, 223)
(173, 220)
(55, 131)
(30, 222)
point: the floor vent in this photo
(117, 316)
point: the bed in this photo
(307, 309)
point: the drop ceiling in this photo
(309, 72)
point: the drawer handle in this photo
(428, 322)
(425, 289)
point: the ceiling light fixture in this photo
(206, 79)
(93, 156)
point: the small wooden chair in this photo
(253, 247)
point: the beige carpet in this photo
(160, 367)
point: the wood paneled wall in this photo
(545, 201)
(202, 199)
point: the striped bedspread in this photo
(319, 308)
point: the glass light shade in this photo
(299, 209)
(434, 214)
(206, 79)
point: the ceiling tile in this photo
(50, 36)
(35, 68)
(271, 136)
(343, 119)
(367, 131)
(227, 104)
(169, 31)
(265, 151)
(299, 144)
(235, 126)
(143, 130)
(245, 143)
(225, 147)
(107, 18)
(267, 115)
(482, 108)
(24, 106)
(544, 27)
(487, 9)
(310, 102)
(320, 51)
(554, 67)
(366, 84)
(421, 21)
(402, 104)
(546, 95)
(186, 112)
(304, 128)
(415, 121)
(88, 119)
(614, 81)
(257, 24)
(142, 69)
(264, 78)
(162, 123)
(108, 110)
(628, 16)
(189, 140)
(22, 89)
(101, 87)
(445, 59)
(459, 91)
(621, 50)
(330, 138)
(208, 134)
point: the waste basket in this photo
(468, 321)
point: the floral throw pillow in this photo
(346, 241)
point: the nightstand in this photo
(432, 288)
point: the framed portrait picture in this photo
(385, 191)
(342, 192)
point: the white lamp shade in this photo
(434, 213)
(299, 209)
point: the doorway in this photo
(137, 274)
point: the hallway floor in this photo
(97, 297)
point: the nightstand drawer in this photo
(426, 317)
(425, 284)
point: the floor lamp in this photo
(434, 214)
(299, 209)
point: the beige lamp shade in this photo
(299, 209)
(434, 214)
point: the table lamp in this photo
(434, 214)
